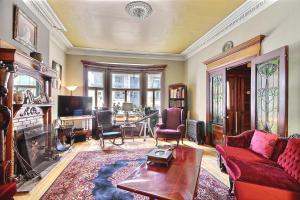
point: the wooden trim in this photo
(282, 53)
(253, 41)
(124, 67)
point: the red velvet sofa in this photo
(256, 177)
(7, 191)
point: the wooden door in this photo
(238, 85)
(217, 105)
(269, 88)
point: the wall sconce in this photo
(72, 88)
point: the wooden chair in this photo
(105, 128)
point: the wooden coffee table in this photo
(177, 181)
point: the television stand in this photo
(80, 133)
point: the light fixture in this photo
(127, 107)
(72, 88)
(139, 9)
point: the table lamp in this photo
(72, 88)
(127, 107)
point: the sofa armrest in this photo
(160, 126)
(243, 140)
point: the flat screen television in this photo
(74, 106)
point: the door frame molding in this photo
(241, 54)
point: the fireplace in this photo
(37, 146)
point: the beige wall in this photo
(280, 23)
(57, 54)
(174, 72)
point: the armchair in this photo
(173, 126)
(105, 128)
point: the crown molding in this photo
(239, 16)
(43, 11)
(246, 11)
(124, 54)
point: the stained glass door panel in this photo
(269, 92)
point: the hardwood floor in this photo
(209, 162)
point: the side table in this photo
(130, 127)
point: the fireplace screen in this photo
(267, 95)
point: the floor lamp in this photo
(72, 88)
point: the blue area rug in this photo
(104, 189)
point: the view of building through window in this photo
(96, 87)
(126, 88)
(154, 91)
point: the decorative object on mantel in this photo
(36, 55)
(28, 97)
(25, 30)
(139, 9)
(56, 83)
(19, 97)
(228, 45)
(72, 88)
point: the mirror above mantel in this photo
(23, 83)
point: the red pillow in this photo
(263, 143)
(289, 160)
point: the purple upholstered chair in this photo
(173, 126)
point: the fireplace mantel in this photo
(26, 65)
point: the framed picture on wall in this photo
(56, 83)
(25, 30)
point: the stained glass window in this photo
(267, 95)
(217, 99)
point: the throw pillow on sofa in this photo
(289, 160)
(263, 143)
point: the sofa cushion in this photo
(228, 152)
(262, 174)
(289, 160)
(279, 148)
(168, 132)
(263, 143)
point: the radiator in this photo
(195, 131)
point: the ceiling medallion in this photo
(139, 9)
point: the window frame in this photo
(126, 90)
(154, 89)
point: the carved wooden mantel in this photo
(24, 64)
(246, 50)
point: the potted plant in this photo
(116, 109)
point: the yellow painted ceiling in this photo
(173, 26)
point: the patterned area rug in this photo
(95, 174)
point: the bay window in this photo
(109, 83)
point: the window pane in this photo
(150, 99)
(126, 81)
(118, 97)
(100, 98)
(154, 80)
(95, 79)
(134, 97)
(157, 100)
(91, 93)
